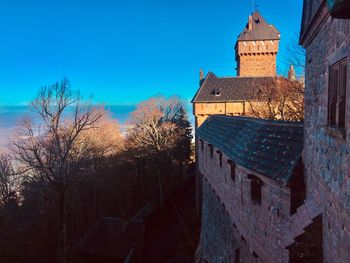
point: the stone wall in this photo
(257, 65)
(256, 58)
(218, 236)
(327, 150)
(202, 110)
(254, 226)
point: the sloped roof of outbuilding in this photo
(228, 89)
(267, 147)
(261, 30)
(111, 237)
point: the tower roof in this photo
(258, 29)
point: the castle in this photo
(256, 50)
(266, 196)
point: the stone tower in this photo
(256, 48)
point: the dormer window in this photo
(216, 92)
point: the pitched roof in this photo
(270, 148)
(216, 89)
(261, 30)
(111, 237)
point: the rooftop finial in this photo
(254, 6)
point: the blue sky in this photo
(123, 52)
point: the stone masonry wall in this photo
(254, 226)
(202, 110)
(327, 151)
(218, 236)
(257, 65)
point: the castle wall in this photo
(250, 227)
(202, 110)
(327, 150)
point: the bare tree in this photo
(159, 128)
(106, 137)
(281, 100)
(50, 149)
(8, 186)
(150, 128)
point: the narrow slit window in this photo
(211, 148)
(232, 170)
(255, 189)
(220, 157)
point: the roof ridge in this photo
(262, 121)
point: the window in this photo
(232, 170)
(255, 188)
(220, 157)
(237, 258)
(202, 145)
(337, 94)
(211, 150)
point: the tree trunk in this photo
(62, 239)
(161, 194)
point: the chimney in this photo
(250, 22)
(201, 77)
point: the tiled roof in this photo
(261, 30)
(111, 237)
(216, 89)
(270, 148)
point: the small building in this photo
(325, 33)
(252, 182)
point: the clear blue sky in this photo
(124, 51)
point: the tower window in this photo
(202, 145)
(337, 94)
